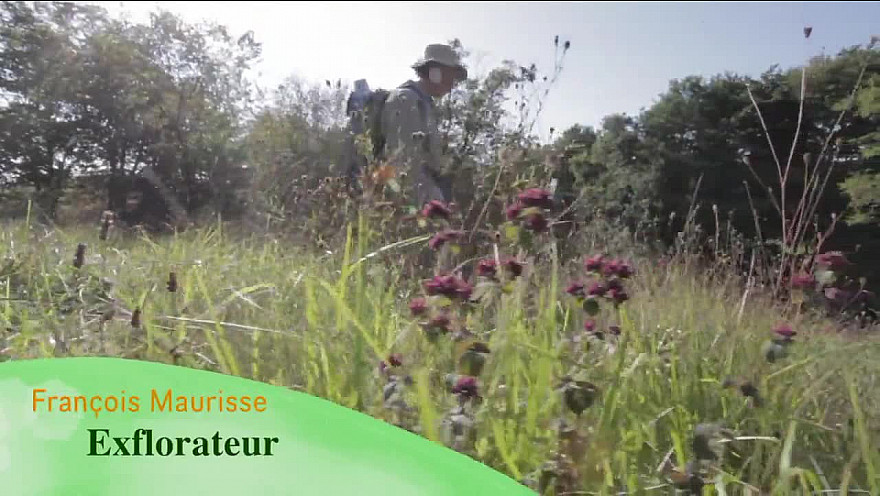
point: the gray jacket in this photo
(412, 146)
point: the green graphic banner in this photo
(102, 426)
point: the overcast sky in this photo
(622, 56)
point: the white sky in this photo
(623, 54)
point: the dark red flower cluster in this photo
(466, 387)
(436, 209)
(487, 267)
(449, 286)
(803, 281)
(393, 360)
(418, 306)
(608, 268)
(443, 237)
(833, 260)
(530, 207)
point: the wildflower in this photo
(513, 211)
(624, 270)
(784, 331)
(610, 268)
(803, 281)
(614, 330)
(594, 263)
(450, 286)
(614, 284)
(833, 260)
(436, 209)
(537, 222)
(575, 289)
(418, 306)
(597, 289)
(466, 387)
(395, 359)
(618, 295)
(513, 266)
(444, 237)
(486, 267)
(590, 325)
(536, 197)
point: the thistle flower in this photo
(513, 266)
(594, 263)
(444, 237)
(624, 270)
(785, 332)
(418, 306)
(439, 322)
(512, 212)
(618, 295)
(449, 286)
(610, 269)
(536, 197)
(803, 281)
(486, 267)
(597, 289)
(575, 289)
(590, 325)
(466, 387)
(833, 260)
(436, 209)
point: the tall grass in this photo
(321, 322)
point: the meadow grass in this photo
(260, 307)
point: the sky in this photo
(622, 56)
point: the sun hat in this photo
(442, 54)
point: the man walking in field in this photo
(410, 128)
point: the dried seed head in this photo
(79, 258)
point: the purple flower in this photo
(536, 197)
(466, 386)
(803, 281)
(575, 289)
(618, 295)
(597, 289)
(515, 267)
(418, 306)
(443, 237)
(594, 263)
(449, 286)
(832, 260)
(785, 331)
(590, 325)
(395, 359)
(624, 270)
(486, 267)
(436, 209)
(513, 211)
(611, 268)
(614, 284)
